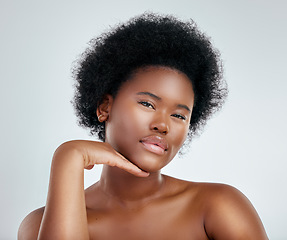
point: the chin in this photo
(144, 159)
(150, 162)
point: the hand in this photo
(101, 153)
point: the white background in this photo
(244, 145)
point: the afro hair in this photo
(148, 40)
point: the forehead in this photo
(163, 81)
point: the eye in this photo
(146, 104)
(179, 116)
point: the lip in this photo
(155, 144)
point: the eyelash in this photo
(146, 104)
(179, 116)
(149, 105)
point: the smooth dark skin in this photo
(133, 200)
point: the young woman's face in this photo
(149, 118)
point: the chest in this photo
(156, 221)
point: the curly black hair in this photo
(148, 40)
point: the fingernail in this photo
(145, 174)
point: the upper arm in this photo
(231, 216)
(29, 228)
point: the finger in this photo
(126, 165)
(89, 167)
(113, 158)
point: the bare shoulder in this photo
(225, 211)
(203, 190)
(29, 227)
(228, 213)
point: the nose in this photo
(160, 124)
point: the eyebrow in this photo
(158, 98)
(183, 106)
(149, 94)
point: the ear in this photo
(104, 108)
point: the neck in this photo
(127, 188)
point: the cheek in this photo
(179, 134)
(126, 126)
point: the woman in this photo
(144, 88)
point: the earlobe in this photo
(101, 118)
(104, 108)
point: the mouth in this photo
(155, 144)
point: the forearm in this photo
(65, 214)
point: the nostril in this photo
(161, 128)
(164, 132)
